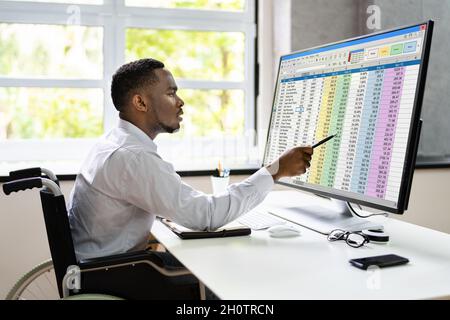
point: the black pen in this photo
(323, 141)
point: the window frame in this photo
(114, 17)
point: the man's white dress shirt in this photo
(124, 184)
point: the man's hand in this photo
(293, 162)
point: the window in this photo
(47, 113)
(58, 56)
(232, 5)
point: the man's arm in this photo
(160, 190)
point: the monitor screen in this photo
(367, 91)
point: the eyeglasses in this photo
(353, 239)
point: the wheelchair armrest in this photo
(123, 258)
(131, 259)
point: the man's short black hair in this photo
(132, 76)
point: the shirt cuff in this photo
(262, 180)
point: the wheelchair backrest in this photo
(58, 234)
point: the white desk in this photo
(310, 267)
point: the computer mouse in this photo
(283, 231)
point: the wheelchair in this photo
(133, 275)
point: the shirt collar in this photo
(138, 133)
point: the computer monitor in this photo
(367, 91)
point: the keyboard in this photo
(259, 220)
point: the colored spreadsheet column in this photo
(315, 99)
(323, 124)
(354, 152)
(349, 132)
(385, 132)
(402, 132)
(336, 124)
(356, 124)
(371, 127)
(366, 131)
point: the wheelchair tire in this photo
(37, 284)
(40, 284)
(92, 296)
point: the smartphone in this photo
(379, 261)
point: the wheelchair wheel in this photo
(40, 284)
(37, 284)
(92, 296)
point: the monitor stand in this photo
(326, 217)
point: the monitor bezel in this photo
(414, 132)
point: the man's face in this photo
(164, 102)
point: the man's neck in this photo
(151, 132)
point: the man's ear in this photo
(139, 104)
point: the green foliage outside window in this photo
(232, 5)
(49, 51)
(40, 113)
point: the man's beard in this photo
(164, 127)
(168, 129)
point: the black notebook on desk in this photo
(227, 231)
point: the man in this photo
(124, 184)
